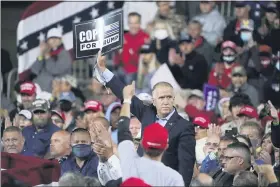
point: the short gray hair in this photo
(245, 178)
(72, 179)
(91, 182)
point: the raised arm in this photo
(137, 106)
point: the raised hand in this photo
(101, 62)
(103, 145)
(213, 129)
(8, 122)
(129, 91)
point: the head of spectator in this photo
(93, 109)
(95, 86)
(134, 23)
(41, 113)
(206, 6)
(147, 64)
(229, 53)
(237, 101)
(134, 182)
(237, 157)
(242, 10)
(238, 77)
(28, 94)
(58, 118)
(246, 113)
(91, 181)
(113, 114)
(81, 144)
(196, 99)
(246, 30)
(134, 127)
(60, 144)
(13, 140)
(162, 31)
(67, 101)
(194, 29)
(163, 98)
(107, 97)
(271, 13)
(68, 82)
(146, 98)
(201, 123)
(154, 144)
(99, 120)
(253, 131)
(245, 178)
(186, 45)
(223, 106)
(224, 142)
(72, 179)
(211, 144)
(54, 38)
(25, 118)
(202, 179)
(266, 143)
(265, 54)
(164, 9)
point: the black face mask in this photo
(65, 106)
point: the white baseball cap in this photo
(26, 113)
(54, 33)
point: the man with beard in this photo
(37, 137)
(27, 92)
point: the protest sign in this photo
(105, 33)
(211, 96)
(163, 74)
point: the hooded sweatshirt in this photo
(111, 108)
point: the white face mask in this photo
(161, 34)
(246, 36)
(229, 59)
(278, 66)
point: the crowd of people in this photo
(126, 131)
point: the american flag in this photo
(39, 17)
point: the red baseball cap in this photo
(155, 136)
(59, 113)
(248, 111)
(93, 105)
(202, 121)
(134, 182)
(28, 88)
(229, 44)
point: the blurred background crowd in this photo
(51, 111)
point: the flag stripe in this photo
(54, 14)
(37, 7)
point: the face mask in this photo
(278, 66)
(229, 59)
(65, 106)
(246, 36)
(39, 122)
(82, 151)
(161, 34)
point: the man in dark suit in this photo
(181, 152)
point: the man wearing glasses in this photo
(236, 158)
(37, 136)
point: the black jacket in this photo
(180, 154)
(193, 74)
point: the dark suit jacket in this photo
(180, 154)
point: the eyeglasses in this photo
(213, 144)
(13, 140)
(39, 112)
